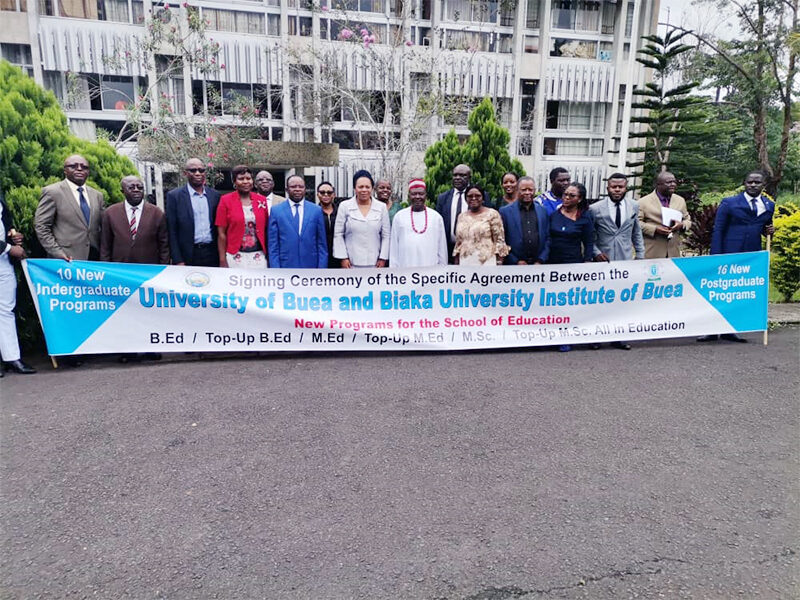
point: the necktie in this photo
(459, 208)
(84, 205)
(755, 206)
(133, 223)
(618, 219)
(296, 216)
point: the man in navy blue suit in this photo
(740, 222)
(452, 203)
(526, 224)
(191, 211)
(296, 237)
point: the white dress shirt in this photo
(297, 206)
(760, 208)
(454, 206)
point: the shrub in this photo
(699, 239)
(785, 267)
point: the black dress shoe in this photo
(71, 361)
(2, 370)
(732, 337)
(594, 346)
(621, 345)
(20, 367)
(708, 338)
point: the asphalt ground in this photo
(670, 471)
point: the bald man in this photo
(191, 210)
(660, 240)
(70, 214)
(265, 185)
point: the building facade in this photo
(559, 72)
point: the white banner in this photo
(94, 307)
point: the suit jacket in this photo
(287, 249)
(736, 228)
(443, 202)
(180, 222)
(150, 246)
(658, 246)
(617, 243)
(512, 224)
(275, 199)
(60, 225)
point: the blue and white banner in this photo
(95, 307)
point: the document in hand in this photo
(668, 215)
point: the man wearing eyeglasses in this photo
(265, 184)
(191, 211)
(69, 215)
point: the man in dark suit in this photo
(527, 227)
(10, 249)
(134, 231)
(452, 203)
(296, 237)
(740, 222)
(69, 214)
(191, 211)
(742, 219)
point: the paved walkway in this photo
(784, 313)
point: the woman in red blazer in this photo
(241, 222)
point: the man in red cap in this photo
(418, 234)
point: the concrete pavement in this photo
(668, 471)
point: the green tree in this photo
(440, 158)
(756, 71)
(485, 151)
(667, 108)
(35, 140)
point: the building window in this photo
(532, 44)
(609, 14)
(481, 11)
(234, 21)
(300, 26)
(629, 20)
(527, 105)
(14, 5)
(573, 48)
(576, 15)
(606, 53)
(18, 55)
(273, 25)
(572, 147)
(116, 92)
(118, 11)
(170, 82)
(575, 116)
(532, 14)
(476, 41)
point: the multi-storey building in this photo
(560, 72)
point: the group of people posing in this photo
(253, 228)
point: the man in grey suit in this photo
(70, 214)
(616, 222)
(618, 233)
